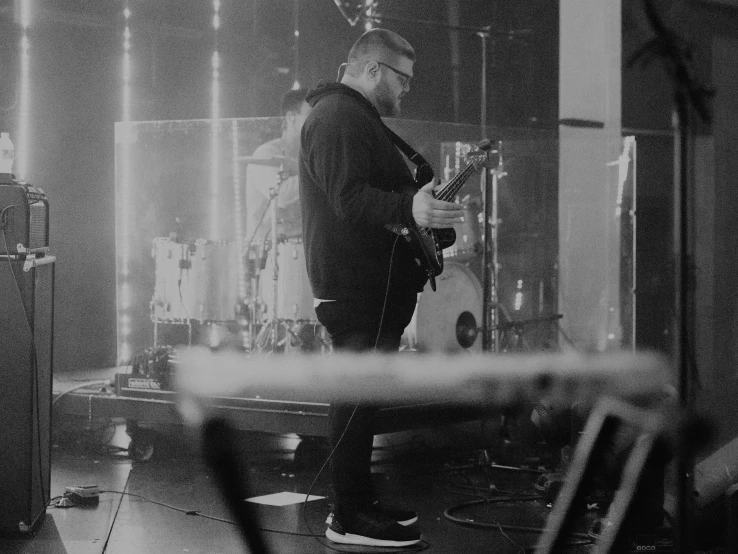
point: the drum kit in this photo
(198, 282)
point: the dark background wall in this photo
(76, 98)
(648, 102)
(710, 31)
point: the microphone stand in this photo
(490, 259)
(689, 96)
(273, 192)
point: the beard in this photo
(387, 104)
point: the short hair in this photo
(379, 43)
(292, 101)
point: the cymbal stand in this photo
(256, 267)
(490, 263)
(253, 269)
(271, 328)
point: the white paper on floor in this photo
(282, 498)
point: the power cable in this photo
(115, 516)
(88, 384)
(492, 524)
(187, 512)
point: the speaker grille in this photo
(39, 219)
(25, 218)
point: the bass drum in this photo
(447, 320)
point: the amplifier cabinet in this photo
(25, 217)
(26, 352)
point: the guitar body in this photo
(428, 250)
(428, 244)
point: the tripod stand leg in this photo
(600, 431)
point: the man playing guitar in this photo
(365, 279)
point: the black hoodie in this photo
(349, 170)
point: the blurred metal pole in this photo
(453, 37)
(681, 325)
(484, 35)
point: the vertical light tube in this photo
(124, 201)
(296, 63)
(370, 14)
(24, 101)
(214, 130)
(238, 213)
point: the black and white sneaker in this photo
(371, 528)
(401, 516)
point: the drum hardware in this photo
(294, 336)
(269, 336)
(274, 161)
(281, 312)
(313, 337)
(252, 307)
(467, 331)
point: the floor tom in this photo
(195, 280)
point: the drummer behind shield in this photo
(262, 176)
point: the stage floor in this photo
(430, 470)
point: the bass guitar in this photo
(427, 244)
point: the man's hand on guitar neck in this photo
(434, 213)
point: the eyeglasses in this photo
(407, 77)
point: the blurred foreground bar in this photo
(477, 380)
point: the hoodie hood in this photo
(327, 89)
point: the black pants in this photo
(354, 326)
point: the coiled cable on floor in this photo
(448, 514)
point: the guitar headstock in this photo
(479, 154)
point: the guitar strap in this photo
(424, 172)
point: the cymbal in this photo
(274, 161)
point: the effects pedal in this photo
(85, 495)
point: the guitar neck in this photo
(453, 186)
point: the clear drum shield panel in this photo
(523, 291)
(180, 224)
(597, 239)
(184, 192)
